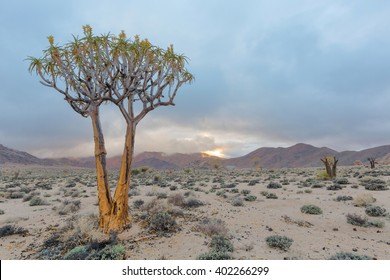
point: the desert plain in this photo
(52, 213)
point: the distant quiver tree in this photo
(134, 75)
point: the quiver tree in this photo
(372, 162)
(93, 70)
(330, 166)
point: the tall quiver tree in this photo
(96, 69)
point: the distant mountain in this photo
(8, 155)
(304, 155)
(299, 155)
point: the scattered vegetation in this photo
(375, 211)
(274, 185)
(311, 209)
(277, 241)
(12, 230)
(349, 256)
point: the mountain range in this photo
(299, 155)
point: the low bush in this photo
(36, 200)
(245, 192)
(311, 209)
(162, 222)
(357, 220)
(274, 185)
(212, 227)
(138, 203)
(375, 211)
(250, 198)
(349, 256)
(277, 241)
(271, 196)
(11, 230)
(344, 198)
(221, 243)
(237, 201)
(363, 200)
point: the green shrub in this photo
(138, 203)
(2, 212)
(271, 196)
(277, 241)
(344, 198)
(110, 252)
(349, 256)
(36, 200)
(193, 202)
(11, 230)
(250, 198)
(16, 195)
(357, 220)
(375, 211)
(215, 255)
(245, 192)
(311, 209)
(341, 181)
(274, 185)
(77, 253)
(374, 184)
(221, 243)
(162, 222)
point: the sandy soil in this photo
(247, 226)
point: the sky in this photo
(267, 74)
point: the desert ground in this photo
(52, 213)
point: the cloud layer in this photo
(268, 73)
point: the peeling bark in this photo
(104, 196)
(120, 217)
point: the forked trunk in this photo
(104, 196)
(119, 212)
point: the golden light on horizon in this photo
(215, 153)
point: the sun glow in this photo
(215, 153)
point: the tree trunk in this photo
(334, 164)
(104, 196)
(372, 162)
(119, 212)
(327, 167)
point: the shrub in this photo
(2, 212)
(245, 192)
(311, 209)
(162, 222)
(363, 200)
(221, 243)
(237, 201)
(16, 195)
(277, 241)
(36, 200)
(67, 207)
(323, 175)
(374, 184)
(77, 253)
(110, 252)
(271, 196)
(317, 186)
(138, 203)
(375, 211)
(215, 255)
(250, 198)
(349, 256)
(162, 195)
(264, 193)
(344, 198)
(274, 185)
(341, 181)
(253, 182)
(212, 227)
(357, 220)
(193, 202)
(11, 230)
(334, 187)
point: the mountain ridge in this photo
(298, 155)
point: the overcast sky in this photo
(268, 73)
